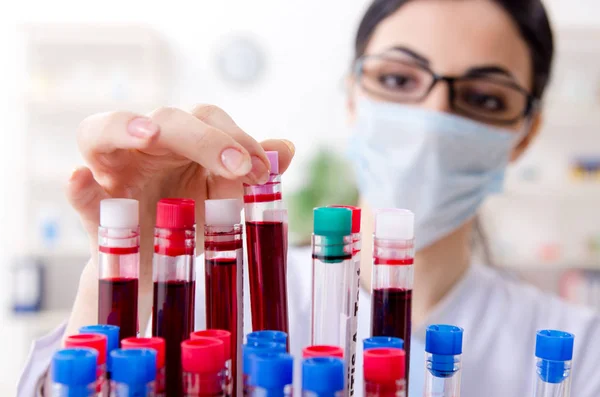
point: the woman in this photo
(443, 95)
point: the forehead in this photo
(456, 36)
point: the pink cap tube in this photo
(274, 161)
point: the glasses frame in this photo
(531, 102)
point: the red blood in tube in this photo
(118, 304)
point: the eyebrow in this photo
(418, 57)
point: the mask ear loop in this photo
(526, 129)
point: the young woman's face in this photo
(475, 39)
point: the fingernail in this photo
(290, 145)
(235, 162)
(142, 127)
(260, 172)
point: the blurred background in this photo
(278, 68)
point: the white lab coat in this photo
(500, 317)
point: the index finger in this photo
(285, 148)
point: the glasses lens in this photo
(487, 99)
(394, 80)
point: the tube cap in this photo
(322, 351)
(74, 367)
(383, 365)
(134, 366)
(323, 375)
(395, 224)
(220, 334)
(224, 212)
(271, 370)
(175, 213)
(93, 341)
(156, 343)
(444, 340)
(273, 157)
(279, 337)
(112, 338)
(119, 213)
(356, 213)
(332, 222)
(554, 345)
(382, 342)
(258, 347)
(202, 355)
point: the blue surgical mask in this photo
(438, 165)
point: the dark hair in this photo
(529, 15)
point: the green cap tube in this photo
(334, 224)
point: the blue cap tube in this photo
(112, 339)
(258, 347)
(323, 376)
(271, 372)
(554, 351)
(444, 344)
(74, 370)
(377, 342)
(279, 337)
(135, 369)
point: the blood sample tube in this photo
(253, 348)
(443, 347)
(271, 375)
(225, 337)
(266, 234)
(392, 280)
(158, 345)
(119, 265)
(267, 336)
(354, 283)
(134, 373)
(112, 340)
(322, 351)
(73, 373)
(203, 360)
(553, 352)
(384, 372)
(331, 316)
(98, 343)
(323, 377)
(223, 259)
(174, 285)
(382, 342)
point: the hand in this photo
(170, 153)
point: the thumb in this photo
(84, 195)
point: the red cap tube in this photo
(93, 341)
(174, 213)
(384, 365)
(322, 351)
(220, 334)
(202, 355)
(156, 343)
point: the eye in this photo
(484, 101)
(398, 82)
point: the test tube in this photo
(331, 316)
(322, 351)
(225, 337)
(158, 345)
(174, 285)
(382, 341)
(553, 352)
(203, 360)
(271, 375)
(443, 347)
(266, 235)
(73, 373)
(223, 259)
(354, 283)
(392, 280)
(384, 372)
(134, 373)
(268, 336)
(254, 348)
(119, 265)
(323, 377)
(112, 340)
(98, 343)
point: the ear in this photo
(534, 129)
(350, 99)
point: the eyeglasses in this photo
(488, 98)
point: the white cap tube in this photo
(394, 224)
(225, 212)
(119, 213)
